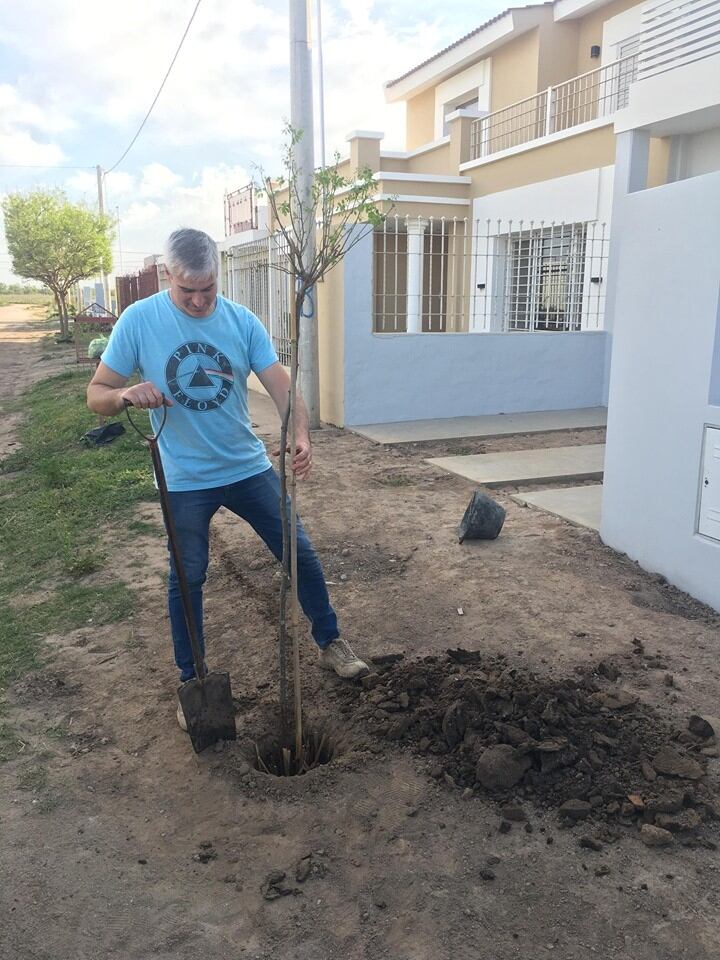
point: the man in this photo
(194, 351)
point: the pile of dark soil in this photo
(583, 745)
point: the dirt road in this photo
(137, 848)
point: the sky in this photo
(77, 78)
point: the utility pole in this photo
(101, 209)
(321, 82)
(117, 214)
(301, 119)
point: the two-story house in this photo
(485, 290)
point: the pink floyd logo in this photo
(199, 376)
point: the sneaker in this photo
(182, 722)
(338, 656)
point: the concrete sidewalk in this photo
(584, 462)
(580, 505)
(497, 425)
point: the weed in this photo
(32, 778)
(58, 731)
(10, 745)
(395, 480)
(144, 528)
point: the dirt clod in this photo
(500, 767)
(673, 764)
(653, 836)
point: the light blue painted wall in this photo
(664, 337)
(422, 376)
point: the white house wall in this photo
(572, 199)
(475, 79)
(665, 361)
(621, 27)
(578, 198)
(702, 153)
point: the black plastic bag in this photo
(100, 436)
(483, 520)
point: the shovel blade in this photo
(208, 708)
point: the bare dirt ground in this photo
(134, 847)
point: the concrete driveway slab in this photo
(583, 462)
(497, 425)
(580, 505)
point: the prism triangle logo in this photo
(199, 376)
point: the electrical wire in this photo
(157, 95)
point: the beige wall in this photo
(514, 71)
(658, 161)
(427, 210)
(585, 151)
(433, 161)
(331, 346)
(590, 32)
(420, 123)
(558, 46)
(394, 163)
(418, 188)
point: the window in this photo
(544, 279)
(468, 102)
(627, 51)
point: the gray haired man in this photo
(194, 351)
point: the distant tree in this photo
(22, 288)
(56, 242)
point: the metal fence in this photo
(590, 96)
(137, 286)
(256, 279)
(457, 275)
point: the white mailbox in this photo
(709, 520)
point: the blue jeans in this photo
(256, 500)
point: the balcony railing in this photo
(590, 96)
(241, 212)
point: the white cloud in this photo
(146, 222)
(19, 147)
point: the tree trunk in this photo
(64, 325)
(288, 440)
(58, 304)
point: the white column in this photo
(415, 245)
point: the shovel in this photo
(206, 700)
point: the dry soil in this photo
(135, 847)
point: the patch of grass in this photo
(9, 744)
(35, 299)
(395, 480)
(58, 731)
(144, 528)
(72, 605)
(60, 500)
(32, 778)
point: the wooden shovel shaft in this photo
(177, 558)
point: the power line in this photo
(157, 95)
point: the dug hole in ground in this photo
(496, 780)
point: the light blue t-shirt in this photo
(203, 364)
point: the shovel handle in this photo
(152, 442)
(136, 428)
